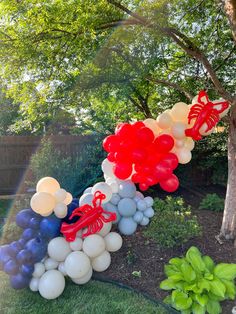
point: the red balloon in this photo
(111, 157)
(137, 125)
(111, 143)
(171, 184)
(162, 171)
(143, 186)
(164, 143)
(122, 170)
(138, 155)
(145, 136)
(172, 160)
(136, 178)
(122, 156)
(124, 130)
(151, 180)
(128, 143)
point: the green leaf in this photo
(167, 284)
(230, 289)
(198, 309)
(193, 256)
(225, 271)
(208, 276)
(209, 263)
(170, 270)
(213, 307)
(176, 261)
(202, 299)
(217, 287)
(168, 300)
(177, 277)
(204, 285)
(188, 272)
(181, 300)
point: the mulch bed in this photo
(140, 254)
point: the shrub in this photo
(173, 223)
(212, 202)
(10, 232)
(198, 285)
(74, 174)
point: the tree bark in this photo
(230, 10)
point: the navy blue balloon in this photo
(38, 248)
(22, 242)
(24, 256)
(29, 234)
(19, 281)
(71, 207)
(23, 218)
(34, 223)
(27, 270)
(14, 248)
(50, 227)
(11, 267)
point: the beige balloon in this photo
(68, 198)
(184, 155)
(42, 203)
(113, 241)
(179, 143)
(48, 184)
(164, 120)
(152, 124)
(101, 262)
(93, 245)
(189, 143)
(178, 130)
(84, 279)
(60, 210)
(180, 111)
(60, 195)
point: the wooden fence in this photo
(16, 151)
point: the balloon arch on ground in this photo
(63, 236)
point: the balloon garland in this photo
(144, 153)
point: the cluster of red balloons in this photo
(138, 155)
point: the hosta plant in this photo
(198, 285)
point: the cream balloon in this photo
(77, 264)
(195, 100)
(101, 262)
(179, 143)
(104, 188)
(184, 155)
(48, 184)
(58, 249)
(68, 198)
(60, 210)
(60, 195)
(180, 111)
(152, 124)
(76, 245)
(189, 143)
(84, 279)
(113, 241)
(164, 120)
(105, 229)
(178, 130)
(51, 284)
(93, 245)
(42, 203)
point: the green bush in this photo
(10, 232)
(198, 285)
(173, 224)
(74, 174)
(212, 202)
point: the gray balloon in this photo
(127, 189)
(115, 198)
(145, 221)
(127, 207)
(138, 216)
(86, 199)
(127, 225)
(149, 212)
(113, 209)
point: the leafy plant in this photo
(212, 202)
(198, 285)
(173, 224)
(137, 273)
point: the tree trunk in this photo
(228, 228)
(230, 10)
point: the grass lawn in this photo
(92, 298)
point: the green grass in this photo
(92, 298)
(4, 207)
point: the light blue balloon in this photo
(127, 189)
(86, 199)
(149, 201)
(149, 212)
(138, 216)
(88, 190)
(127, 207)
(145, 221)
(141, 205)
(127, 225)
(113, 209)
(115, 198)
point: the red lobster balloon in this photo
(92, 217)
(204, 111)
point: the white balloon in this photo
(164, 120)
(68, 198)
(60, 195)
(93, 245)
(51, 284)
(180, 111)
(113, 241)
(105, 229)
(141, 205)
(101, 262)
(149, 201)
(43, 203)
(115, 199)
(114, 186)
(178, 130)
(39, 270)
(85, 278)
(47, 184)
(60, 210)
(88, 190)
(61, 268)
(77, 264)
(127, 189)
(58, 249)
(34, 284)
(86, 198)
(50, 264)
(104, 188)
(184, 155)
(76, 245)
(107, 168)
